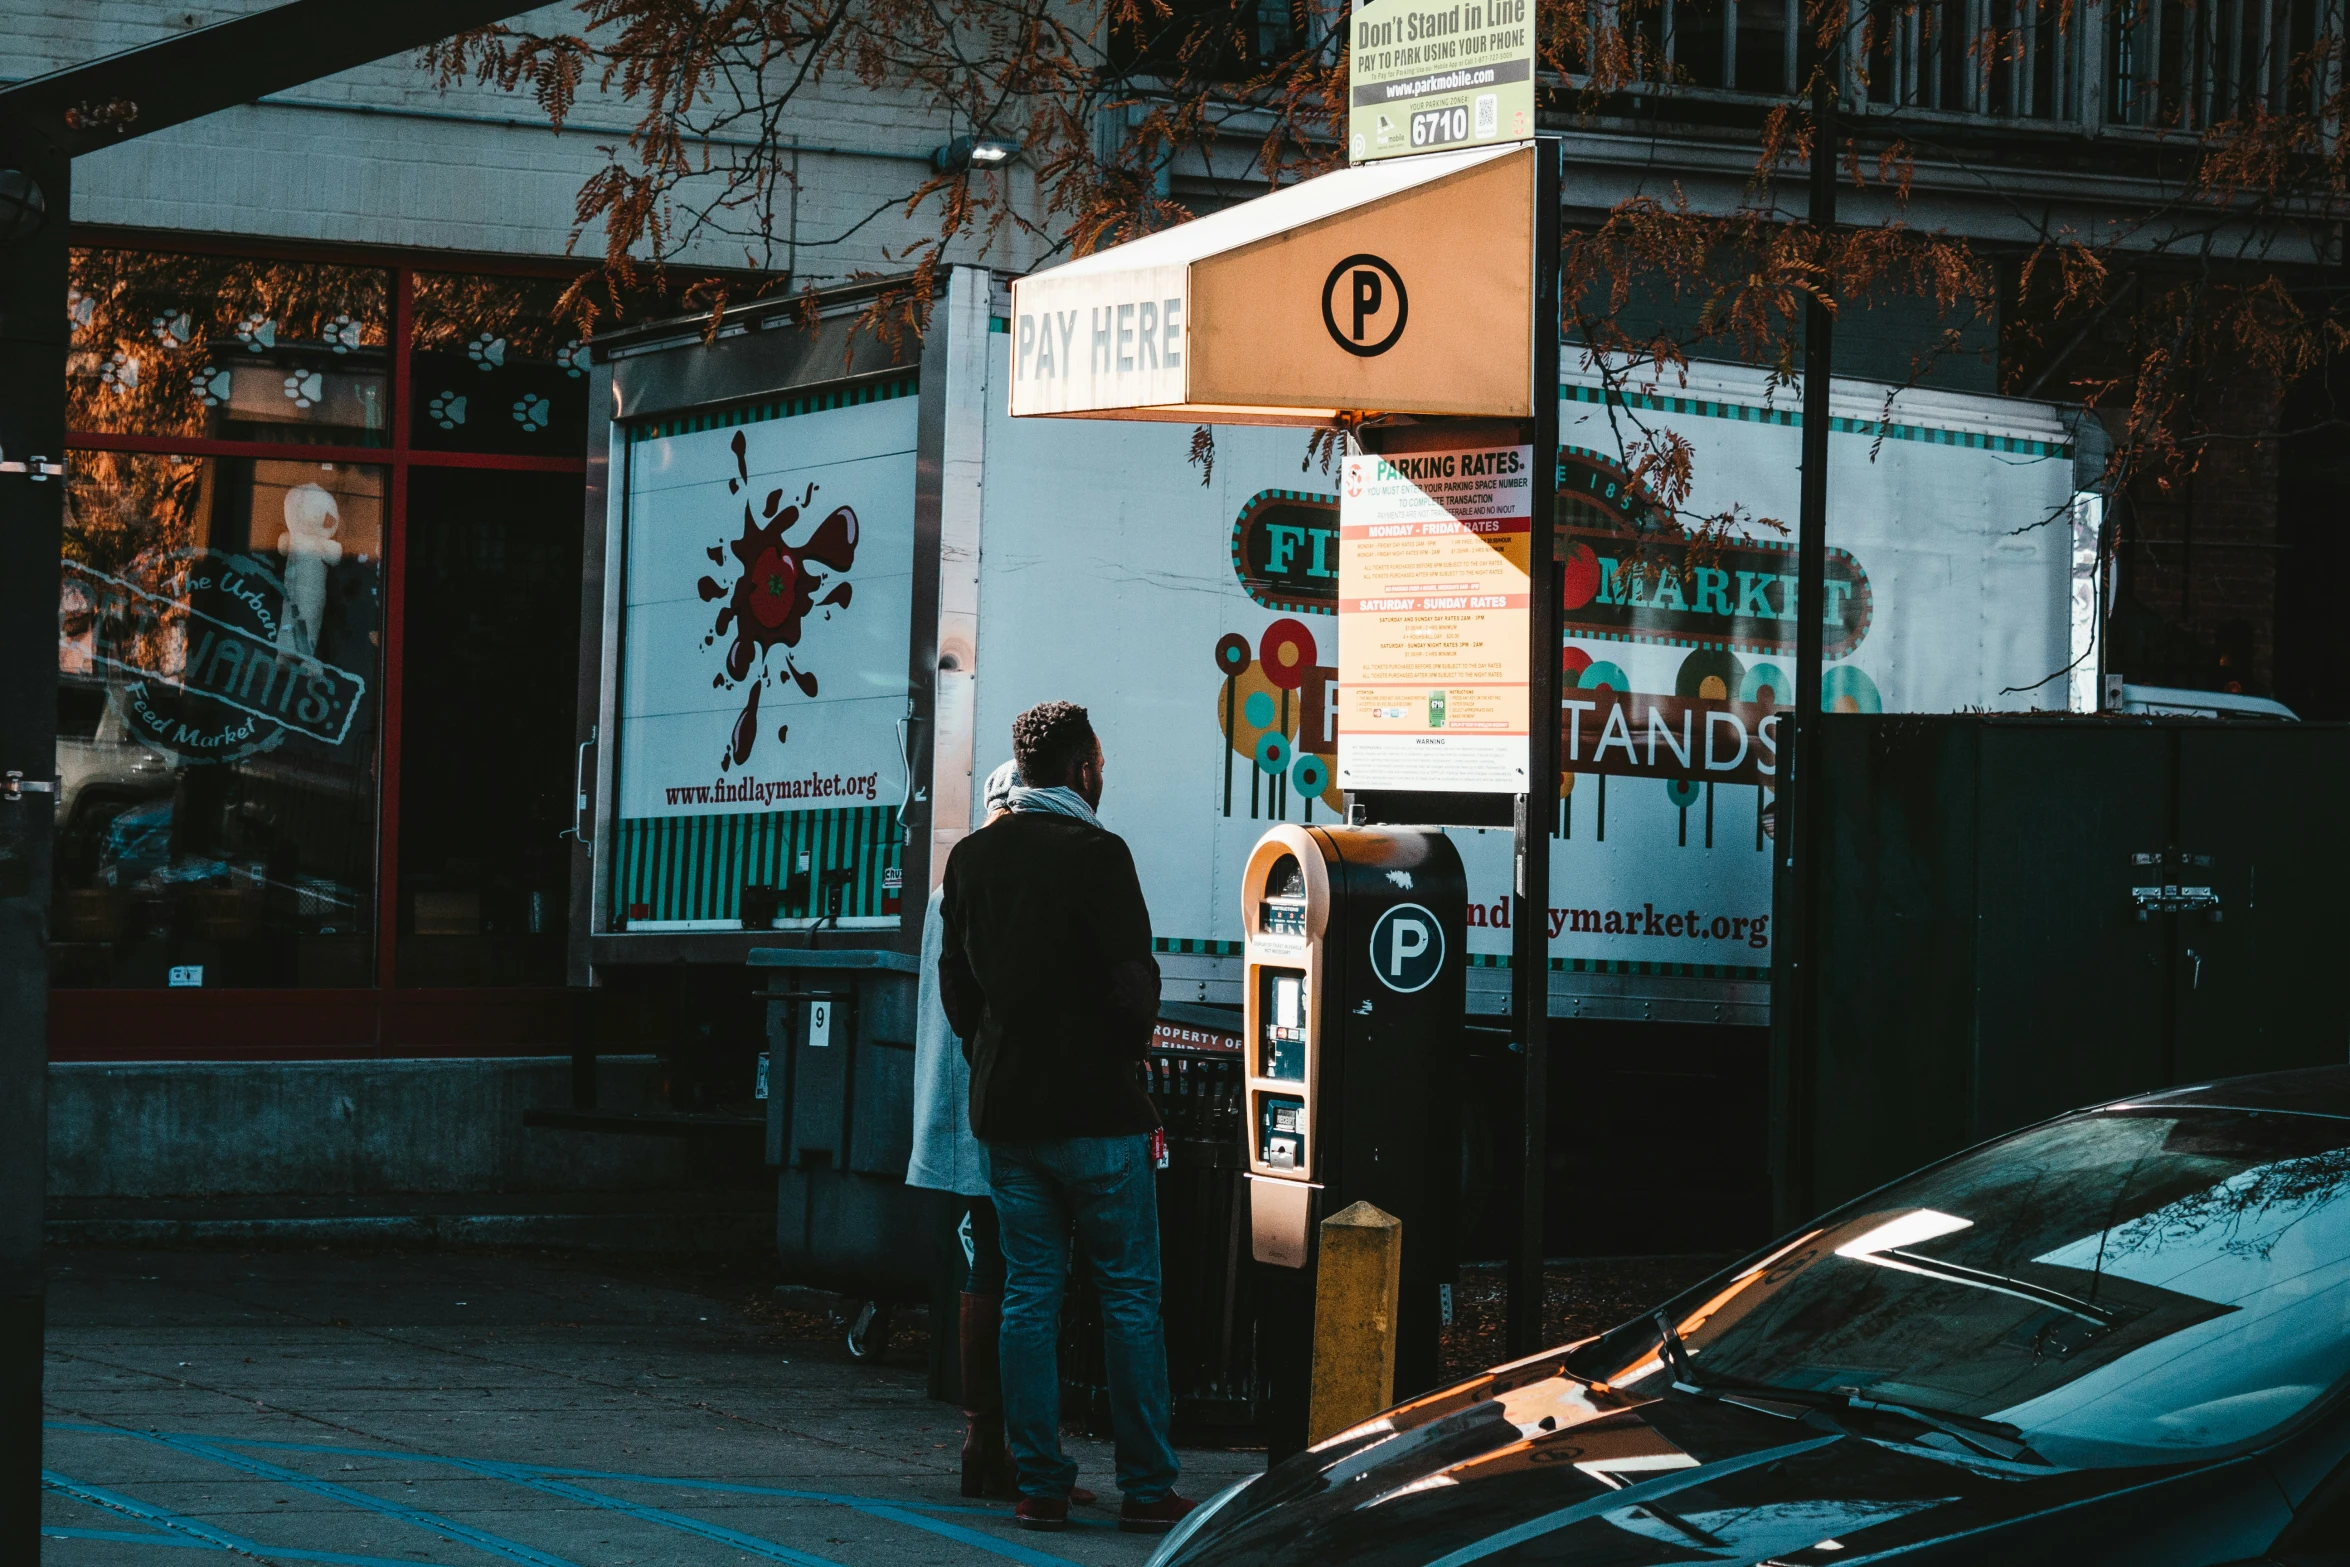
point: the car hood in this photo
(1504, 1462)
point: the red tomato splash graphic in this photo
(769, 603)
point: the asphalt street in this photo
(463, 1409)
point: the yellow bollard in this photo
(1356, 1287)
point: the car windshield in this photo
(2139, 1285)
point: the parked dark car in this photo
(2122, 1336)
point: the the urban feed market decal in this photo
(1429, 77)
(1433, 619)
(768, 603)
(210, 656)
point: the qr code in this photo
(1488, 114)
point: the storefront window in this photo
(219, 652)
(229, 348)
(493, 370)
(316, 718)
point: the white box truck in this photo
(827, 569)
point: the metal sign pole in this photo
(32, 495)
(1536, 811)
(1794, 981)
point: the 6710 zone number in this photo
(1435, 127)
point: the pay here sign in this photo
(1434, 619)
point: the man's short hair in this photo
(1050, 739)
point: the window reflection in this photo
(491, 369)
(231, 348)
(218, 675)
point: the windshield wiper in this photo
(1728, 1386)
(1990, 1437)
(2101, 1317)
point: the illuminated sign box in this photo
(1390, 288)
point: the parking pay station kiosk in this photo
(1355, 990)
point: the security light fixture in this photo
(966, 153)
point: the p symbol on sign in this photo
(1364, 305)
(1407, 948)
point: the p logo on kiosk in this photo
(1407, 948)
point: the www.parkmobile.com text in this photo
(766, 791)
(1752, 930)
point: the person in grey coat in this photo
(946, 1156)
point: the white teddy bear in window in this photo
(310, 547)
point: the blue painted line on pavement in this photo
(447, 1528)
(145, 1512)
(183, 1531)
(745, 1488)
(275, 1552)
(560, 1472)
(516, 1475)
(544, 1477)
(522, 1474)
(971, 1537)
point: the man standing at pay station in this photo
(1047, 974)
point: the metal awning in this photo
(1398, 287)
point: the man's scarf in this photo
(1055, 802)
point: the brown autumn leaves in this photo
(2181, 314)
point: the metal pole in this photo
(32, 441)
(1793, 989)
(1537, 810)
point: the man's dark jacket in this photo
(1047, 975)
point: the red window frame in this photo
(382, 1019)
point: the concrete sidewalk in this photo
(432, 1407)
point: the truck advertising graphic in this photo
(767, 602)
(1949, 586)
(767, 644)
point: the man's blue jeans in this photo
(1103, 1189)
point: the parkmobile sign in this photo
(1427, 77)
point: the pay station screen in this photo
(1281, 1005)
(1281, 1141)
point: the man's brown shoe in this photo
(1154, 1517)
(1043, 1512)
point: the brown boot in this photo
(987, 1463)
